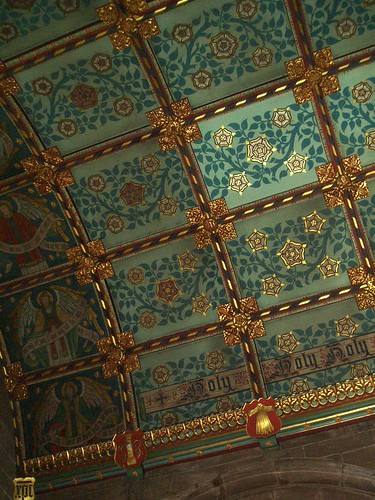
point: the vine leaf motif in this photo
(173, 125)
(345, 182)
(8, 84)
(14, 381)
(365, 297)
(208, 223)
(116, 356)
(87, 258)
(46, 176)
(128, 24)
(240, 322)
(314, 78)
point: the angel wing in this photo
(24, 315)
(34, 208)
(67, 299)
(94, 394)
(47, 409)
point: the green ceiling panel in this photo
(264, 274)
(86, 96)
(206, 60)
(159, 292)
(133, 194)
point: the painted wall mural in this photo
(33, 234)
(52, 325)
(72, 412)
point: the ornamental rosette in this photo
(201, 304)
(287, 342)
(150, 164)
(169, 418)
(281, 117)
(68, 6)
(123, 106)
(246, 9)
(8, 31)
(370, 140)
(96, 183)
(187, 261)
(115, 224)
(225, 403)
(202, 79)
(182, 33)
(135, 276)
(214, 360)
(147, 319)
(161, 374)
(238, 183)
(259, 150)
(262, 57)
(84, 96)
(68, 128)
(329, 267)
(42, 86)
(362, 92)
(133, 194)
(168, 206)
(101, 63)
(272, 285)
(167, 290)
(346, 28)
(223, 45)
(257, 241)
(345, 327)
(292, 254)
(313, 223)
(296, 163)
(223, 137)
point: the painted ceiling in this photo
(186, 223)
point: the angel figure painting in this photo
(55, 326)
(29, 233)
(73, 413)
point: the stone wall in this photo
(7, 452)
(336, 464)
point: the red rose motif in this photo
(133, 194)
(84, 96)
(167, 290)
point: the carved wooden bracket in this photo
(209, 224)
(173, 125)
(128, 24)
(86, 257)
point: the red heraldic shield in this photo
(262, 420)
(130, 450)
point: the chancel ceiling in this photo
(186, 224)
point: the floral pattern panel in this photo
(353, 113)
(34, 235)
(12, 147)
(52, 325)
(166, 290)
(70, 412)
(366, 209)
(260, 150)
(29, 23)
(344, 25)
(86, 96)
(132, 194)
(223, 47)
(190, 381)
(316, 348)
(281, 256)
